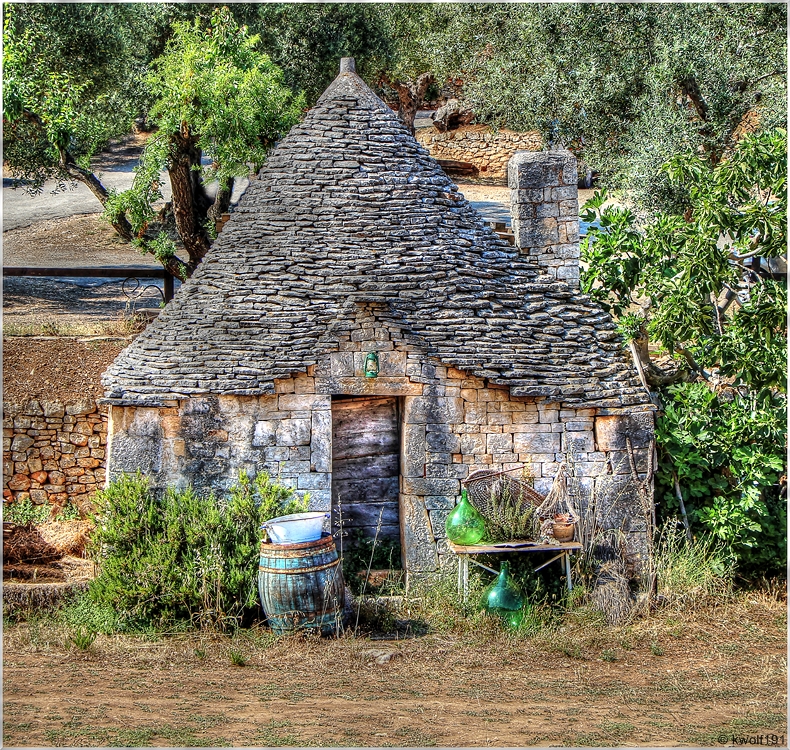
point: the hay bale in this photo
(36, 587)
(67, 537)
(38, 597)
(26, 544)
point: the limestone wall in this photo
(53, 452)
(489, 150)
(452, 424)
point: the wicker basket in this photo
(484, 484)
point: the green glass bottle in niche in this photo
(503, 597)
(465, 525)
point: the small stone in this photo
(39, 497)
(19, 482)
(22, 443)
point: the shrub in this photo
(182, 555)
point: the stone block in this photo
(314, 481)
(419, 548)
(293, 431)
(473, 444)
(33, 409)
(611, 431)
(380, 386)
(139, 447)
(440, 502)
(321, 441)
(499, 443)
(537, 233)
(536, 442)
(438, 518)
(19, 482)
(580, 442)
(415, 448)
(433, 410)
(83, 406)
(264, 434)
(475, 413)
(39, 497)
(303, 401)
(52, 409)
(320, 500)
(304, 385)
(22, 443)
(392, 364)
(284, 386)
(443, 441)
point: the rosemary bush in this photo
(182, 555)
(508, 516)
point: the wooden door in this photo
(366, 467)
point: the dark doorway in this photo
(365, 475)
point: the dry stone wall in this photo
(53, 452)
(488, 149)
(452, 424)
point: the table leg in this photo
(568, 571)
(466, 578)
(460, 576)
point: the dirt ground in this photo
(712, 677)
(36, 368)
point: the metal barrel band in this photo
(294, 571)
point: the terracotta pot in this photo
(563, 532)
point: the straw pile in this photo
(46, 542)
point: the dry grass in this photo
(659, 679)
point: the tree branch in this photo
(120, 223)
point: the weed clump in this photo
(691, 573)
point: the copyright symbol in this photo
(722, 739)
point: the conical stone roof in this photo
(350, 209)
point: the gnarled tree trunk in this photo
(190, 203)
(411, 96)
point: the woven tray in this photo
(482, 485)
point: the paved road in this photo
(115, 169)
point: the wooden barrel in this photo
(301, 586)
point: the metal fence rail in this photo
(107, 272)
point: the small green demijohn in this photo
(465, 525)
(503, 597)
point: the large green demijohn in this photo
(465, 525)
(503, 597)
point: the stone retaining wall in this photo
(489, 150)
(53, 452)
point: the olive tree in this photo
(72, 79)
(214, 95)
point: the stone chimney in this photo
(348, 65)
(544, 207)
